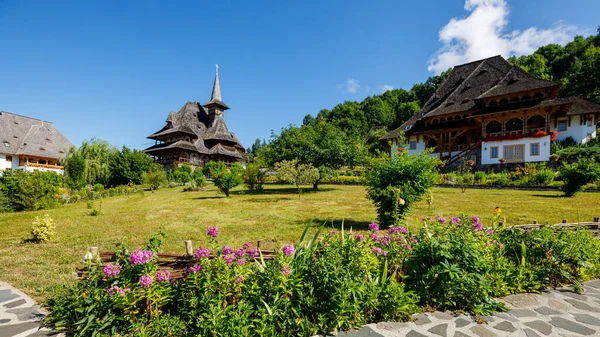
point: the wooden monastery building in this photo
(31, 144)
(492, 112)
(197, 134)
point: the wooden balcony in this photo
(46, 166)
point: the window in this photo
(494, 152)
(7, 144)
(412, 145)
(9, 159)
(514, 153)
(534, 149)
(562, 125)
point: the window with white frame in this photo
(534, 149)
(562, 125)
(494, 152)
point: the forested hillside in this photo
(576, 66)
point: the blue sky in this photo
(114, 69)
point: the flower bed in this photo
(331, 282)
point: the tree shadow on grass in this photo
(212, 197)
(285, 190)
(268, 199)
(348, 224)
(549, 196)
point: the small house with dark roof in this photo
(31, 144)
(197, 134)
(492, 112)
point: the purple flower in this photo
(145, 280)
(202, 253)
(247, 245)
(163, 275)
(397, 229)
(490, 231)
(478, 226)
(414, 239)
(286, 270)
(374, 226)
(141, 256)
(240, 252)
(213, 231)
(112, 270)
(194, 269)
(385, 240)
(377, 250)
(253, 253)
(455, 220)
(494, 241)
(359, 237)
(501, 246)
(375, 236)
(385, 253)
(288, 249)
(228, 258)
(227, 250)
(474, 220)
(114, 289)
(487, 244)
(441, 219)
(406, 246)
(241, 262)
(333, 232)
(239, 279)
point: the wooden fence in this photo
(177, 264)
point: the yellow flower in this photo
(497, 211)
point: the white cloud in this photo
(352, 85)
(386, 87)
(482, 34)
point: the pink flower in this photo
(487, 244)
(359, 237)
(247, 245)
(375, 236)
(163, 275)
(112, 270)
(194, 269)
(145, 280)
(333, 232)
(114, 289)
(374, 226)
(288, 249)
(501, 246)
(213, 231)
(253, 253)
(202, 253)
(229, 258)
(240, 252)
(227, 250)
(490, 231)
(141, 256)
(239, 279)
(385, 240)
(414, 239)
(441, 219)
(286, 270)
(377, 250)
(241, 262)
(455, 220)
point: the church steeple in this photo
(216, 105)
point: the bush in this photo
(43, 229)
(480, 177)
(578, 174)
(155, 178)
(182, 174)
(254, 177)
(214, 168)
(468, 179)
(30, 191)
(225, 181)
(98, 187)
(396, 184)
(199, 178)
(293, 172)
(498, 179)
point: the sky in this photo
(115, 69)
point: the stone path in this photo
(558, 312)
(20, 316)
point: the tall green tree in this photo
(95, 156)
(128, 165)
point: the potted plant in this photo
(502, 160)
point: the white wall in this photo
(420, 145)
(43, 169)
(543, 156)
(3, 163)
(578, 132)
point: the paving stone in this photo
(587, 319)
(460, 334)
(488, 319)
(364, 332)
(440, 330)
(571, 294)
(445, 316)
(482, 331)
(15, 303)
(392, 325)
(15, 329)
(530, 333)
(413, 333)
(522, 313)
(540, 326)
(6, 295)
(571, 326)
(591, 290)
(546, 311)
(505, 326)
(460, 322)
(582, 305)
(45, 333)
(4, 320)
(26, 314)
(506, 317)
(521, 300)
(421, 319)
(595, 284)
(557, 305)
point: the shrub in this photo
(30, 190)
(396, 184)
(4, 202)
(292, 172)
(98, 187)
(480, 177)
(498, 179)
(578, 174)
(254, 177)
(213, 168)
(225, 181)
(182, 174)
(43, 229)
(155, 178)
(199, 178)
(468, 179)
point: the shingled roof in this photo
(20, 135)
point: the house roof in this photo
(20, 135)
(215, 98)
(219, 149)
(516, 80)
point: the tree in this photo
(214, 168)
(128, 165)
(227, 180)
(294, 172)
(256, 146)
(396, 184)
(584, 76)
(254, 177)
(95, 155)
(321, 145)
(578, 174)
(155, 177)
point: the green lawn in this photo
(276, 215)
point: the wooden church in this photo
(197, 134)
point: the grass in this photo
(275, 215)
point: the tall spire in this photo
(216, 94)
(215, 99)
